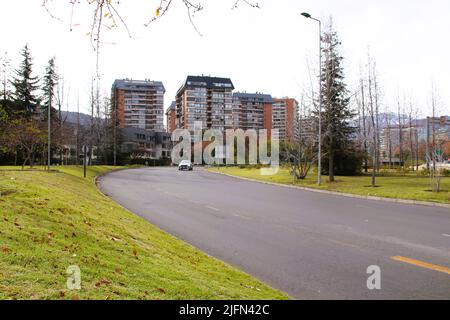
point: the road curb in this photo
(97, 178)
(348, 195)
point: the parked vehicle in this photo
(186, 165)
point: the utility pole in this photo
(77, 152)
(319, 156)
(49, 107)
(5, 65)
(84, 160)
(113, 103)
(427, 145)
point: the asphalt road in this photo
(310, 245)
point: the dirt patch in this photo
(6, 192)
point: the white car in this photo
(186, 165)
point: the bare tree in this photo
(376, 93)
(362, 109)
(60, 100)
(388, 135)
(107, 15)
(417, 140)
(413, 143)
(4, 71)
(373, 111)
(91, 128)
(435, 155)
(300, 154)
(400, 132)
(25, 134)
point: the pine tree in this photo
(50, 81)
(336, 113)
(25, 84)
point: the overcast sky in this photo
(265, 50)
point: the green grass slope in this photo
(50, 221)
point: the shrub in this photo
(346, 163)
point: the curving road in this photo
(310, 245)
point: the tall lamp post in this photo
(49, 143)
(319, 156)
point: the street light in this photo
(49, 133)
(306, 15)
(319, 159)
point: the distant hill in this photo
(71, 117)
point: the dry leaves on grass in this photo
(103, 281)
(5, 249)
(135, 253)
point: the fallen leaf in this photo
(5, 249)
(102, 282)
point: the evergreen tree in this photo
(50, 81)
(336, 113)
(25, 84)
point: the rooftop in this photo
(208, 82)
(172, 106)
(130, 84)
(260, 97)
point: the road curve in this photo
(310, 245)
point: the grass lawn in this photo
(410, 187)
(50, 221)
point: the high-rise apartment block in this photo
(171, 117)
(252, 111)
(207, 100)
(211, 102)
(285, 115)
(139, 104)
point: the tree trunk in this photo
(417, 150)
(331, 167)
(366, 169)
(374, 161)
(32, 160)
(390, 152)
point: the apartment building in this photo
(285, 116)
(252, 111)
(146, 144)
(139, 104)
(308, 129)
(171, 117)
(207, 100)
